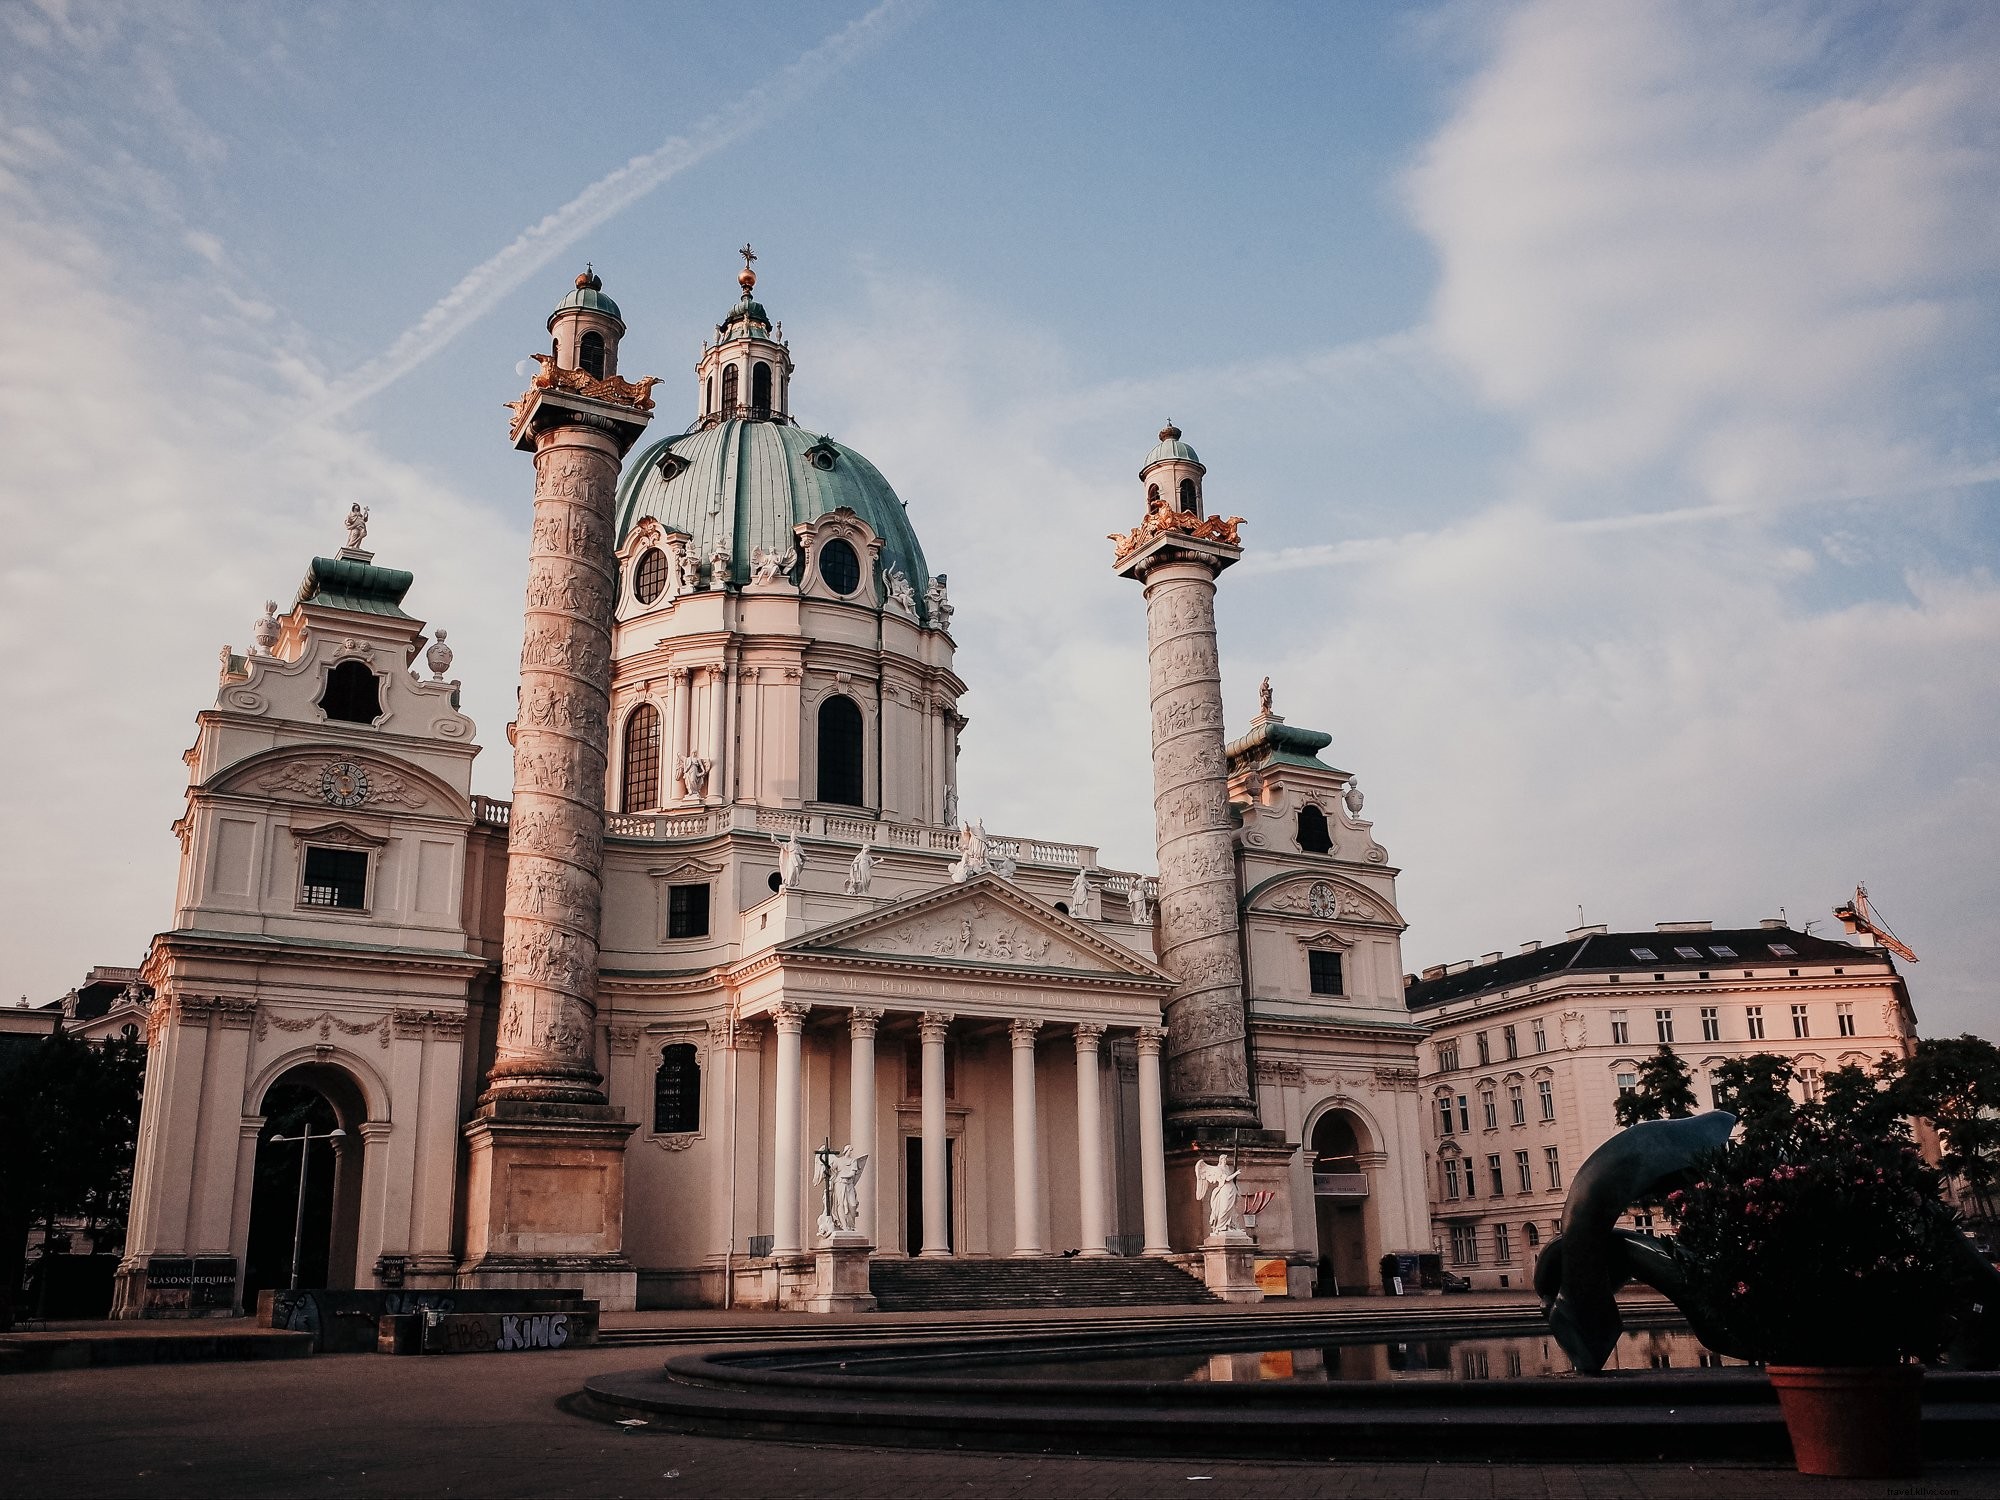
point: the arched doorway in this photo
(1341, 1204)
(322, 1098)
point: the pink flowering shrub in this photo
(1816, 1245)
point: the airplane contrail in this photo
(481, 288)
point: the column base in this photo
(840, 1276)
(545, 1200)
(1100, 1253)
(1229, 1267)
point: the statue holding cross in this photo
(838, 1176)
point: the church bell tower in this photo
(545, 1180)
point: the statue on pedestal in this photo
(1216, 1182)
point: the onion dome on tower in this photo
(745, 475)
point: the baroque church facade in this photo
(734, 914)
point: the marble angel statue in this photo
(901, 594)
(1216, 1182)
(837, 1174)
(937, 604)
(772, 567)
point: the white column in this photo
(1089, 1142)
(718, 728)
(1152, 1142)
(861, 1108)
(932, 1027)
(680, 716)
(750, 781)
(1027, 1149)
(791, 1021)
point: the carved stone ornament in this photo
(625, 1040)
(768, 566)
(265, 632)
(438, 658)
(981, 931)
(1325, 901)
(1162, 519)
(938, 608)
(341, 783)
(325, 1023)
(611, 389)
(902, 594)
(1573, 1032)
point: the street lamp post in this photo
(304, 1143)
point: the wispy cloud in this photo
(481, 288)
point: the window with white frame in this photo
(1448, 1056)
(1494, 1175)
(1553, 1158)
(1711, 1024)
(1524, 1170)
(1663, 1024)
(1539, 1033)
(1801, 1026)
(1843, 1012)
(1546, 1092)
(1444, 1116)
(1753, 1022)
(1490, 1109)
(1509, 1042)
(1516, 1105)
(1621, 1029)
(1503, 1244)
(1451, 1188)
(1485, 1048)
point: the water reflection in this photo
(1521, 1357)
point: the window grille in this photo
(639, 789)
(335, 878)
(687, 911)
(677, 1089)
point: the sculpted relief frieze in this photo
(1324, 900)
(341, 783)
(982, 931)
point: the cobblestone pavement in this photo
(490, 1425)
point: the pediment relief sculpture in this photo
(1327, 900)
(978, 930)
(340, 781)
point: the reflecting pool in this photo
(1516, 1357)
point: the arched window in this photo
(640, 789)
(729, 391)
(1531, 1234)
(1152, 497)
(760, 387)
(1314, 837)
(649, 578)
(840, 753)
(1335, 1146)
(590, 355)
(353, 694)
(709, 409)
(1187, 496)
(677, 1090)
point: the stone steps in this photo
(1040, 1282)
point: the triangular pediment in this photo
(987, 922)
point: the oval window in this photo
(649, 579)
(840, 567)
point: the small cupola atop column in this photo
(586, 329)
(746, 374)
(1172, 475)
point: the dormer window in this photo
(353, 694)
(590, 355)
(1187, 496)
(821, 455)
(649, 578)
(1314, 836)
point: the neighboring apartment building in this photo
(1528, 1054)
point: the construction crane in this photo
(1856, 916)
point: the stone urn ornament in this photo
(265, 632)
(438, 657)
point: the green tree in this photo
(69, 1121)
(1855, 1102)
(1954, 1082)
(1758, 1091)
(1664, 1091)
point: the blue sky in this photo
(1610, 389)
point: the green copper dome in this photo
(1171, 447)
(745, 484)
(589, 295)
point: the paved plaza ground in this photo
(492, 1425)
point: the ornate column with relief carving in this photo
(1176, 552)
(1089, 1142)
(545, 1174)
(932, 1028)
(790, 1021)
(861, 1024)
(1027, 1148)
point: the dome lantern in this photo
(746, 374)
(1172, 474)
(585, 328)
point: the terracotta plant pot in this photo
(1855, 1421)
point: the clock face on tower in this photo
(343, 784)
